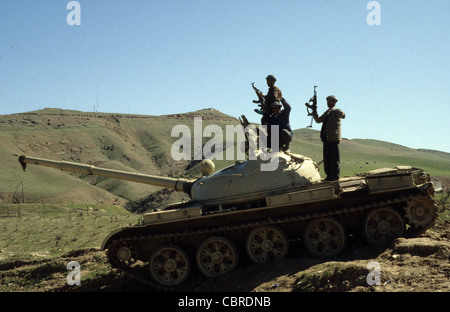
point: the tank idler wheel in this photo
(324, 237)
(383, 225)
(216, 256)
(169, 265)
(122, 253)
(266, 243)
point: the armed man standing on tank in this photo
(273, 115)
(330, 134)
(273, 94)
(279, 118)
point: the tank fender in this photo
(108, 239)
(427, 188)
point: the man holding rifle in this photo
(330, 134)
(273, 115)
(265, 101)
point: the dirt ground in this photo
(419, 264)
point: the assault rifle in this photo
(312, 106)
(261, 100)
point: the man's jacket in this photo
(331, 127)
(282, 120)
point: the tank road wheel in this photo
(216, 256)
(266, 243)
(169, 265)
(324, 237)
(420, 211)
(122, 253)
(383, 225)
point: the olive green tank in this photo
(242, 213)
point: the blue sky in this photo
(175, 56)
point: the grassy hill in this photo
(126, 142)
(141, 143)
(361, 155)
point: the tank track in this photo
(145, 278)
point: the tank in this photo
(241, 214)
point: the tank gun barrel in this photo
(178, 184)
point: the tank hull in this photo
(378, 206)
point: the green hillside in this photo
(126, 142)
(141, 143)
(361, 155)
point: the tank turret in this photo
(229, 185)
